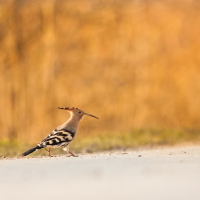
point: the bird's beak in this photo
(91, 115)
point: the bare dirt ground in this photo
(158, 174)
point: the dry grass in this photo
(134, 64)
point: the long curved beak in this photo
(91, 115)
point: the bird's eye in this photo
(79, 112)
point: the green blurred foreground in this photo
(110, 141)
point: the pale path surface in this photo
(162, 174)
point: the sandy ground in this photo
(159, 174)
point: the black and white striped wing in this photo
(58, 138)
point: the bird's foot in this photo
(48, 150)
(71, 154)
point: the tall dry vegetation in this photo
(134, 64)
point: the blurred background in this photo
(132, 63)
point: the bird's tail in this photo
(31, 151)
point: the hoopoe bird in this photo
(63, 134)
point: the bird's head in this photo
(77, 113)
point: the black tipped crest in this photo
(68, 108)
(63, 108)
(80, 111)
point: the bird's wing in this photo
(57, 138)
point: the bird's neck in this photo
(71, 124)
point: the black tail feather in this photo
(31, 151)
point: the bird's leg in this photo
(48, 152)
(71, 154)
